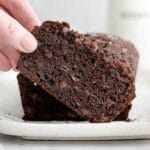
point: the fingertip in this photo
(28, 43)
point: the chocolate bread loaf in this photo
(38, 105)
(93, 76)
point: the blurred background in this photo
(83, 15)
(129, 19)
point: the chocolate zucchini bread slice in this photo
(93, 77)
(38, 105)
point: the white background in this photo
(83, 15)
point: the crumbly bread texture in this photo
(93, 76)
(38, 105)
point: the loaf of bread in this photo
(92, 75)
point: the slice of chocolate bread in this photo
(96, 79)
(38, 105)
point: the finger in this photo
(15, 36)
(4, 63)
(22, 11)
(13, 57)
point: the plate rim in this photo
(55, 130)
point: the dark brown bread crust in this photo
(97, 81)
(38, 105)
(124, 115)
(116, 48)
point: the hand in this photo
(17, 19)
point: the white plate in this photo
(12, 124)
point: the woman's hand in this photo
(17, 19)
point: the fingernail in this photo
(29, 43)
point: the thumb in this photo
(14, 35)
